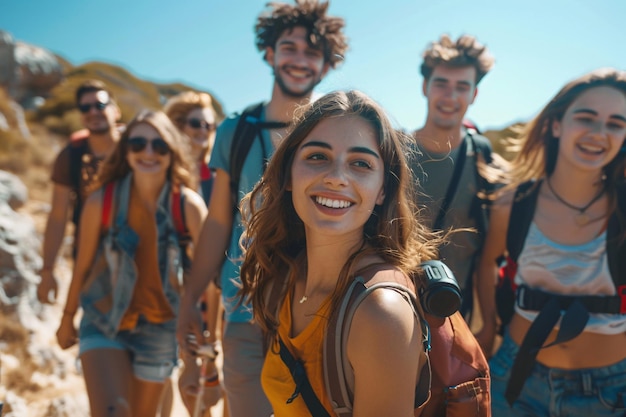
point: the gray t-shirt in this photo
(433, 173)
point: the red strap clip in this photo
(621, 292)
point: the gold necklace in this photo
(582, 218)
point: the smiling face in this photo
(592, 130)
(337, 177)
(298, 67)
(101, 113)
(145, 160)
(200, 128)
(449, 92)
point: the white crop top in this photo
(568, 269)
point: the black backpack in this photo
(572, 309)
(249, 127)
(522, 212)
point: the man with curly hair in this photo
(447, 163)
(300, 43)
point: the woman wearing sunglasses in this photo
(194, 116)
(128, 271)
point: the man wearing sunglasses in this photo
(300, 43)
(74, 171)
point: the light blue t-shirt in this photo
(251, 173)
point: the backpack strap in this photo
(246, 131)
(452, 187)
(249, 127)
(207, 175)
(78, 148)
(107, 203)
(303, 386)
(178, 216)
(522, 213)
(338, 378)
(616, 242)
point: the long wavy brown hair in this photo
(537, 147)
(179, 172)
(324, 32)
(275, 235)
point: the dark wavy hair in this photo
(465, 52)
(275, 235)
(324, 32)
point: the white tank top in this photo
(571, 270)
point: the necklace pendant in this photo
(303, 299)
(581, 219)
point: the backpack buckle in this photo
(621, 292)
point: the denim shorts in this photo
(152, 347)
(556, 392)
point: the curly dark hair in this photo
(324, 32)
(466, 51)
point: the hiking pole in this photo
(207, 353)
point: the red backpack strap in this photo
(178, 212)
(107, 203)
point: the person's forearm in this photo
(212, 312)
(53, 238)
(208, 258)
(486, 292)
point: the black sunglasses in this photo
(138, 144)
(98, 105)
(198, 123)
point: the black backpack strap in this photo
(616, 246)
(246, 132)
(616, 240)
(303, 386)
(452, 187)
(78, 148)
(522, 213)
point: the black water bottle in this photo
(440, 295)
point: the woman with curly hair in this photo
(128, 272)
(335, 206)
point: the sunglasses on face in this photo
(98, 105)
(138, 144)
(198, 123)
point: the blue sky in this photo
(538, 46)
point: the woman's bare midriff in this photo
(587, 350)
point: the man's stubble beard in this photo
(295, 94)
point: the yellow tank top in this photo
(308, 347)
(148, 296)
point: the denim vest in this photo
(108, 289)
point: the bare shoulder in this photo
(94, 200)
(501, 207)
(384, 322)
(192, 198)
(385, 305)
